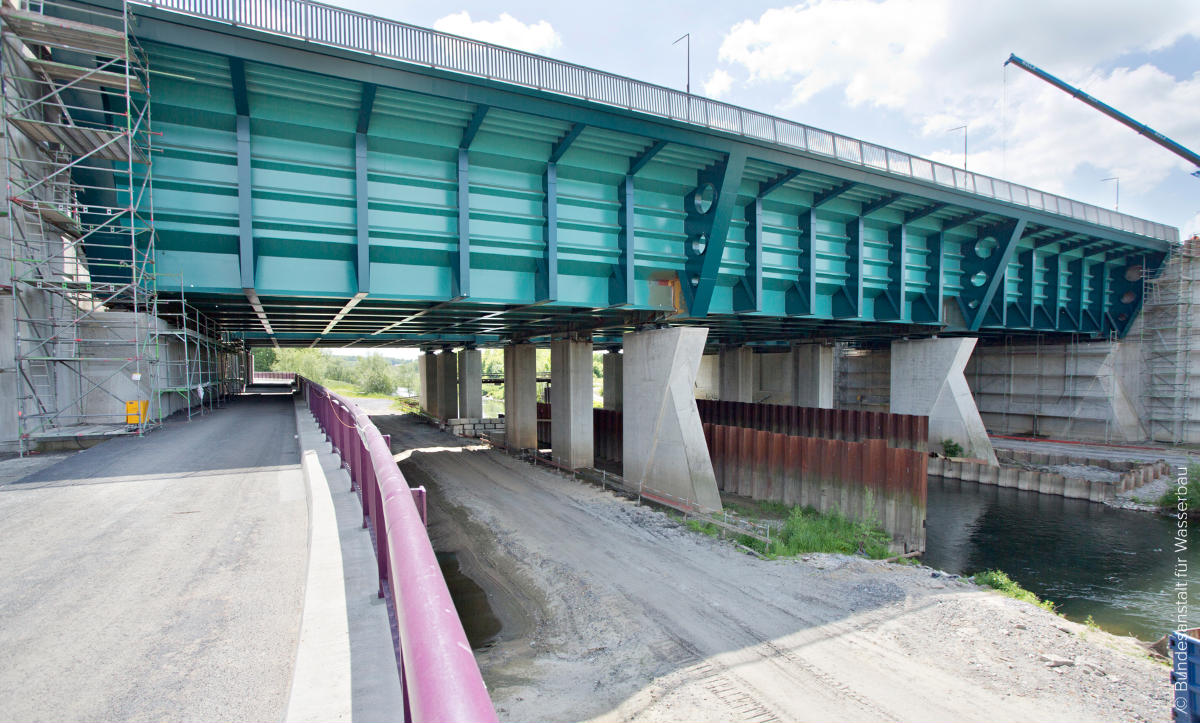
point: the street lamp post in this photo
(962, 128)
(1117, 181)
(687, 36)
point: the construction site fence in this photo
(438, 672)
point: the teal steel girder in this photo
(707, 231)
(821, 239)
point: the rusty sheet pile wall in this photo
(865, 480)
(865, 465)
(904, 431)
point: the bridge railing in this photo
(337, 27)
(261, 377)
(438, 672)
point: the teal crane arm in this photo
(1179, 150)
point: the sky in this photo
(904, 73)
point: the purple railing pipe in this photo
(441, 679)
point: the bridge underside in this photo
(308, 195)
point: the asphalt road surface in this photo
(157, 578)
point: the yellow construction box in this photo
(135, 412)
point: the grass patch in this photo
(1170, 498)
(347, 389)
(704, 528)
(807, 530)
(999, 581)
(758, 509)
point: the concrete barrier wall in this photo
(1050, 483)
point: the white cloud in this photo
(539, 37)
(937, 64)
(1191, 228)
(718, 84)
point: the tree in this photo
(374, 375)
(310, 363)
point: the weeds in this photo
(999, 581)
(807, 530)
(1171, 498)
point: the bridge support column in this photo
(927, 379)
(427, 368)
(520, 396)
(812, 380)
(613, 371)
(470, 384)
(571, 439)
(447, 385)
(736, 374)
(663, 445)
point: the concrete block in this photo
(663, 442)
(1007, 477)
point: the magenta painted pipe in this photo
(440, 676)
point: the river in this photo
(1116, 565)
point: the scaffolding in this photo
(193, 364)
(1168, 340)
(80, 219)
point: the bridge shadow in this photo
(253, 432)
(622, 608)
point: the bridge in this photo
(191, 179)
(323, 177)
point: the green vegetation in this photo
(804, 530)
(1170, 498)
(999, 581)
(807, 530)
(758, 509)
(950, 448)
(366, 376)
(1091, 624)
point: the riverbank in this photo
(620, 613)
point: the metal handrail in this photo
(439, 676)
(316, 22)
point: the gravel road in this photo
(614, 612)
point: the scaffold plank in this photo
(39, 29)
(90, 77)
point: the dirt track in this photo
(614, 612)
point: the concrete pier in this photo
(812, 381)
(427, 369)
(470, 384)
(927, 379)
(571, 399)
(520, 395)
(736, 373)
(664, 444)
(447, 385)
(613, 371)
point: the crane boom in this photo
(1186, 153)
